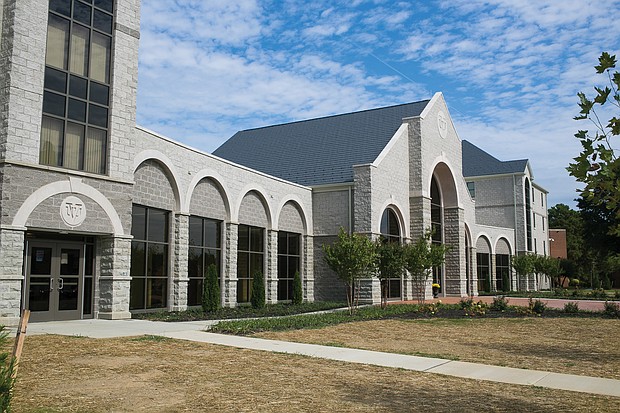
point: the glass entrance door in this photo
(54, 278)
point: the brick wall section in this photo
(207, 201)
(290, 219)
(253, 212)
(308, 268)
(19, 182)
(330, 211)
(124, 89)
(229, 276)
(271, 277)
(152, 187)
(114, 279)
(327, 285)
(454, 235)
(22, 63)
(11, 277)
(179, 263)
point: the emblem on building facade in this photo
(73, 211)
(442, 124)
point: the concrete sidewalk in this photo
(194, 331)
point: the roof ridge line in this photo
(333, 116)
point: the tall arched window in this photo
(436, 224)
(528, 214)
(390, 232)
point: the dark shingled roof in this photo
(477, 162)
(318, 151)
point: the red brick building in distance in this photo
(557, 243)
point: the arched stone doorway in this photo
(390, 231)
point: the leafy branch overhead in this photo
(597, 166)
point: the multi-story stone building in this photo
(101, 218)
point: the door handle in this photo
(61, 283)
(51, 284)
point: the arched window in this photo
(436, 224)
(390, 232)
(528, 214)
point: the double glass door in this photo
(55, 281)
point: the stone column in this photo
(473, 271)
(229, 274)
(493, 286)
(114, 278)
(180, 278)
(11, 274)
(454, 236)
(271, 278)
(307, 274)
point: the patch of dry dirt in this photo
(70, 374)
(568, 345)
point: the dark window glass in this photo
(137, 293)
(138, 258)
(194, 262)
(244, 238)
(88, 296)
(138, 222)
(55, 80)
(212, 234)
(54, 104)
(89, 260)
(41, 261)
(157, 260)
(102, 21)
(256, 239)
(195, 231)
(158, 225)
(78, 86)
(77, 110)
(107, 5)
(98, 116)
(99, 93)
(61, 6)
(288, 262)
(81, 12)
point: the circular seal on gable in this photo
(73, 211)
(442, 124)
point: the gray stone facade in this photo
(55, 204)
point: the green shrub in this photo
(499, 303)
(466, 303)
(258, 290)
(211, 290)
(617, 294)
(298, 295)
(611, 309)
(571, 308)
(537, 307)
(6, 373)
(606, 283)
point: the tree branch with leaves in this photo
(598, 166)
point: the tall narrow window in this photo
(436, 224)
(250, 259)
(76, 98)
(149, 258)
(483, 268)
(390, 232)
(205, 249)
(528, 215)
(289, 262)
(502, 272)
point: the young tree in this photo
(420, 258)
(598, 166)
(298, 294)
(351, 257)
(523, 266)
(258, 290)
(390, 264)
(6, 372)
(211, 290)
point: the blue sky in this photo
(509, 69)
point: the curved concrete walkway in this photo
(194, 331)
